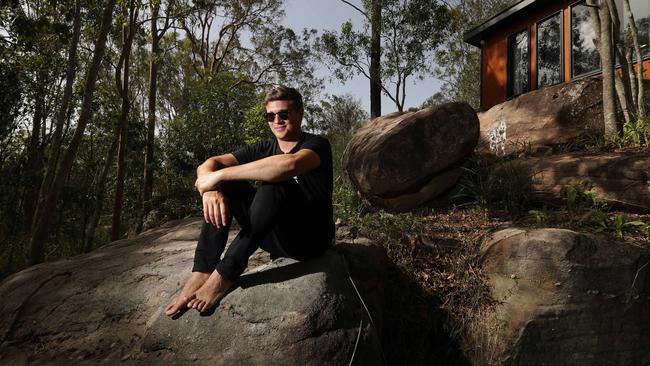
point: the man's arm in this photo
(215, 207)
(274, 168)
(215, 163)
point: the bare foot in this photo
(196, 280)
(213, 290)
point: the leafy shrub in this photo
(503, 187)
(637, 133)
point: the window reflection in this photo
(518, 64)
(549, 51)
(584, 51)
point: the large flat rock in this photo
(547, 116)
(106, 308)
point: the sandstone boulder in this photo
(567, 298)
(106, 308)
(547, 116)
(619, 179)
(401, 160)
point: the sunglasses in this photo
(270, 116)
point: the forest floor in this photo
(439, 291)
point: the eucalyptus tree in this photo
(244, 38)
(163, 16)
(625, 87)
(129, 28)
(47, 203)
(33, 37)
(411, 30)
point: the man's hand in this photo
(215, 208)
(208, 182)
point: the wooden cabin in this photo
(538, 43)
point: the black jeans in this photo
(276, 217)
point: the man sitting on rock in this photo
(288, 215)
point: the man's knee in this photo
(237, 188)
(272, 190)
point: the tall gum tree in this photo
(122, 73)
(156, 35)
(623, 87)
(410, 33)
(43, 224)
(273, 53)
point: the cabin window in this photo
(518, 64)
(549, 51)
(641, 11)
(585, 58)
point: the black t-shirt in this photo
(317, 184)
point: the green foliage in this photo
(579, 197)
(585, 212)
(637, 133)
(348, 205)
(337, 116)
(503, 187)
(213, 118)
(254, 127)
(209, 121)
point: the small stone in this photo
(558, 284)
(513, 276)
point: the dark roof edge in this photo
(473, 36)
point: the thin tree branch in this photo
(357, 8)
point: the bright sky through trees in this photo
(329, 14)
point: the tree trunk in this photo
(34, 164)
(375, 59)
(640, 96)
(100, 190)
(622, 82)
(123, 88)
(41, 228)
(607, 63)
(151, 117)
(119, 186)
(62, 113)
